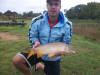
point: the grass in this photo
(85, 21)
(86, 61)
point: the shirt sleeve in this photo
(68, 33)
(33, 31)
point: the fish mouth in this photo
(72, 51)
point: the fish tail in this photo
(30, 54)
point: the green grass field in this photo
(86, 61)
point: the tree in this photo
(1, 13)
(30, 14)
(92, 10)
(8, 13)
(89, 11)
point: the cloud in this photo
(21, 6)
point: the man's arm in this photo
(36, 43)
(33, 32)
(67, 37)
(68, 33)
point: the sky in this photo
(21, 6)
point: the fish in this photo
(49, 49)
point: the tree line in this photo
(82, 11)
(10, 15)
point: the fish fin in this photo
(26, 51)
(39, 54)
(51, 55)
(30, 54)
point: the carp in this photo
(49, 49)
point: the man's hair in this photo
(48, 1)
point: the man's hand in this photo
(37, 43)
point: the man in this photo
(52, 26)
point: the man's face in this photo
(53, 8)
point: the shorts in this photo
(51, 67)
